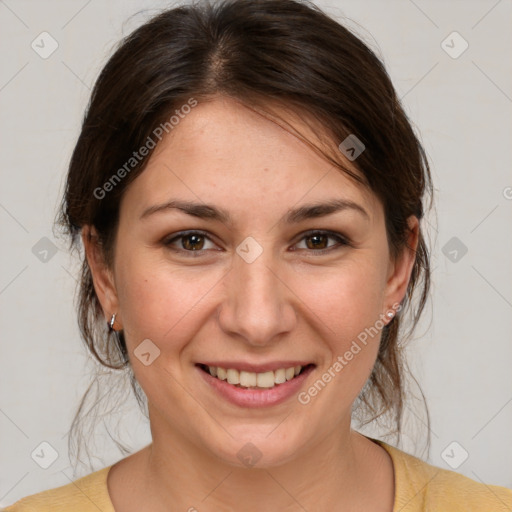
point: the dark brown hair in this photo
(262, 53)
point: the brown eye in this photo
(317, 241)
(192, 242)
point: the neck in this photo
(341, 471)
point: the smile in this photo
(253, 380)
(255, 389)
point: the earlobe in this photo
(401, 268)
(102, 276)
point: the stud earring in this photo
(391, 316)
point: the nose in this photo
(258, 304)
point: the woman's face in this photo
(249, 267)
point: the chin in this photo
(259, 448)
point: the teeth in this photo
(247, 379)
(233, 376)
(280, 376)
(250, 379)
(265, 380)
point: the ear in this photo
(103, 278)
(400, 268)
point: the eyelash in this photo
(342, 241)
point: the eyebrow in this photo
(320, 209)
(292, 216)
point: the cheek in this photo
(162, 303)
(346, 299)
(347, 302)
(348, 306)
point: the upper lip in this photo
(255, 368)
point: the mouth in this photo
(262, 380)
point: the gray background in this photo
(461, 354)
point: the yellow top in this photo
(419, 487)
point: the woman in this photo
(249, 195)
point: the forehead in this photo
(224, 152)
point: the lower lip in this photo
(256, 397)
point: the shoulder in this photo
(421, 486)
(89, 493)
